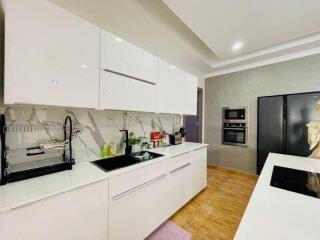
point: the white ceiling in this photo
(258, 24)
(261, 25)
(197, 36)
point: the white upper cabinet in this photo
(118, 92)
(189, 90)
(177, 90)
(51, 56)
(123, 57)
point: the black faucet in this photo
(128, 148)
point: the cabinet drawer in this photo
(135, 215)
(129, 181)
(179, 162)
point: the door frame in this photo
(199, 114)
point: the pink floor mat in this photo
(169, 231)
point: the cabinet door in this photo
(80, 214)
(135, 213)
(123, 57)
(179, 182)
(189, 94)
(177, 90)
(51, 56)
(199, 170)
(123, 93)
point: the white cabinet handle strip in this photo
(128, 76)
(180, 168)
(121, 195)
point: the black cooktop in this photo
(298, 181)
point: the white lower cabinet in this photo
(136, 214)
(137, 211)
(141, 200)
(179, 182)
(128, 206)
(199, 170)
(80, 214)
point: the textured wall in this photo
(97, 128)
(243, 88)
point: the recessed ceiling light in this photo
(84, 66)
(173, 67)
(236, 46)
(119, 39)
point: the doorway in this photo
(193, 124)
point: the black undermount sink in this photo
(113, 163)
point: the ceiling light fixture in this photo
(119, 39)
(236, 46)
(173, 67)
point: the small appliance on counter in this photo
(175, 138)
(23, 163)
(155, 138)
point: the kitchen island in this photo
(275, 213)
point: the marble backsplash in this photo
(95, 128)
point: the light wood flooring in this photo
(215, 213)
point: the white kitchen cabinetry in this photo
(51, 56)
(80, 214)
(199, 170)
(118, 92)
(177, 90)
(138, 203)
(123, 57)
(187, 176)
(143, 199)
(188, 93)
(179, 181)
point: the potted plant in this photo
(134, 142)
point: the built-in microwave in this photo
(235, 114)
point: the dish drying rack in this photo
(36, 161)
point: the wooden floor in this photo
(216, 212)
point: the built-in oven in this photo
(235, 114)
(235, 134)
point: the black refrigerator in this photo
(282, 124)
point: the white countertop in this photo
(14, 195)
(273, 213)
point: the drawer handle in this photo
(180, 168)
(121, 195)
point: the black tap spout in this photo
(128, 147)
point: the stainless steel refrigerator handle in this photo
(121, 195)
(180, 168)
